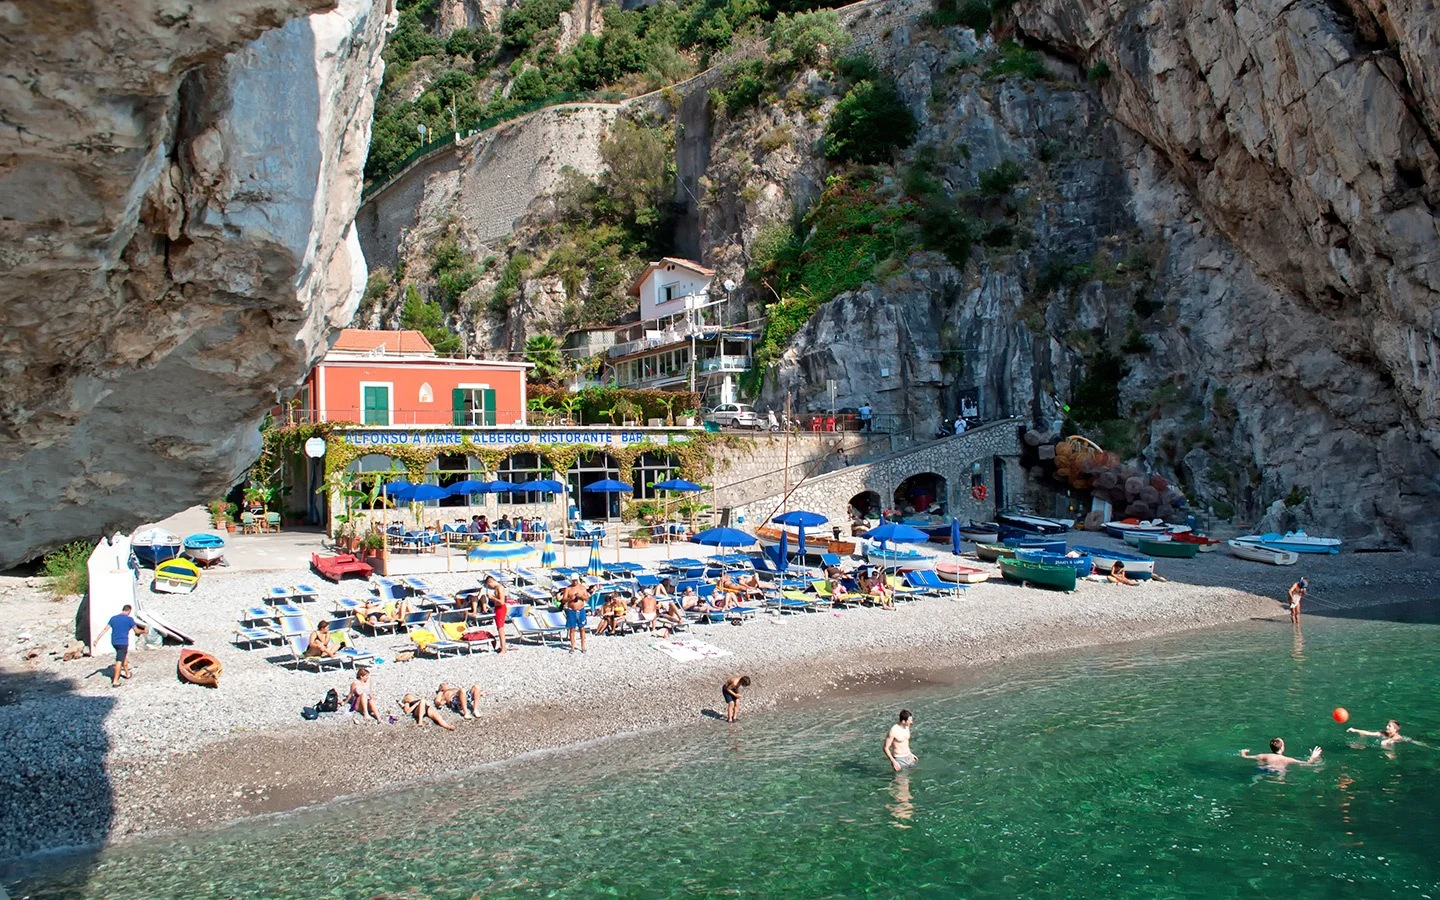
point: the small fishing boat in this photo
(1048, 546)
(1169, 549)
(1120, 528)
(176, 576)
(1136, 566)
(206, 549)
(815, 542)
(1264, 554)
(958, 574)
(199, 667)
(980, 532)
(1032, 524)
(1294, 541)
(1206, 544)
(993, 552)
(902, 560)
(1133, 538)
(155, 545)
(1079, 562)
(1030, 573)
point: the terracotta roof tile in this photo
(360, 340)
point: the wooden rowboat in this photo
(1169, 549)
(1257, 553)
(199, 667)
(176, 576)
(1058, 577)
(814, 543)
(958, 574)
(993, 552)
(1206, 544)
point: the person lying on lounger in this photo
(875, 588)
(421, 709)
(371, 613)
(729, 589)
(689, 599)
(461, 702)
(751, 584)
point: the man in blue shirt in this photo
(120, 628)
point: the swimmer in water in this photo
(1276, 758)
(1389, 737)
(897, 743)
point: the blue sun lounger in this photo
(250, 638)
(257, 615)
(304, 593)
(539, 627)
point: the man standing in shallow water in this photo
(897, 742)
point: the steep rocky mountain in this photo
(1203, 236)
(178, 243)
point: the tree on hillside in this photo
(543, 352)
(428, 318)
(869, 124)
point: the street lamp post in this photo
(421, 129)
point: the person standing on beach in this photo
(897, 742)
(730, 691)
(121, 626)
(1276, 758)
(500, 606)
(1295, 595)
(575, 599)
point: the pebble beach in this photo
(83, 764)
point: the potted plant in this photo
(232, 515)
(372, 547)
(687, 417)
(641, 537)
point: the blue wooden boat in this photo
(176, 576)
(206, 549)
(1033, 543)
(155, 545)
(1082, 564)
(1293, 541)
(1136, 566)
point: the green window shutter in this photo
(488, 398)
(457, 406)
(377, 406)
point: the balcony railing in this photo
(668, 336)
(725, 364)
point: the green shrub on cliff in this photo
(428, 318)
(869, 124)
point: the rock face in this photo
(177, 187)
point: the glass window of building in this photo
(651, 468)
(519, 468)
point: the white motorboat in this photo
(1261, 553)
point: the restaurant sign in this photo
(505, 438)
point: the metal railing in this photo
(725, 364)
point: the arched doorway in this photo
(921, 493)
(865, 505)
(588, 469)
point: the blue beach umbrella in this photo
(543, 486)
(955, 536)
(678, 484)
(801, 519)
(723, 537)
(396, 487)
(596, 566)
(419, 493)
(547, 557)
(782, 562)
(468, 486)
(608, 486)
(500, 552)
(900, 534)
(501, 486)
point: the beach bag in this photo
(309, 713)
(477, 634)
(331, 703)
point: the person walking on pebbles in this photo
(121, 626)
(730, 692)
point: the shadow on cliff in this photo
(55, 791)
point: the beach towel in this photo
(688, 649)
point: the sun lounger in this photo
(346, 606)
(535, 595)
(257, 615)
(793, 601)
(346, 651)
(416, 584)
(250, 638)
(537, 628)
(277, 594)
(926, 580)
(431, 640)
(304, 593)
(298, 644)
(292, 624)
(453, 633)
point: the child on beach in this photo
(361, 700)
(730, 690)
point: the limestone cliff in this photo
(177, 189)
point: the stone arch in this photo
(922, 492)
(866, 504)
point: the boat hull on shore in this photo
(1206, 544)
(1136, 566)
(814, 543)
(1081, 563)
(1169, 549)
(1294, 542)
(199, 667)
(155, 545)
(980, 533)
(176, 576)
(1045, 546)
(205, 549)
(1263, 554)
(1060, 578)
(993, 552)
(1032, 524)
(958, 574)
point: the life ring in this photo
(978, 492)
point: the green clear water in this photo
(1111, 772)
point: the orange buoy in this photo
(1341, 715)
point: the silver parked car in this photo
(735, 415)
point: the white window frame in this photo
(481, 387)
(389, 387)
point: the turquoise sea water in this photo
(1111, 772)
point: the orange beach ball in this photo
(1341, 715)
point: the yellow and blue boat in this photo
(176, 576)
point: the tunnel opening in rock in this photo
(921, 493)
